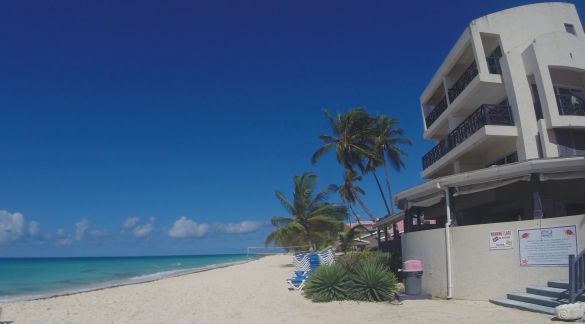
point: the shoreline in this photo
(123, 282)
(249, 292)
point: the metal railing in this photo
(466, 77)
(482, 116)
(570, 105)
(576, 276)
(436, 112)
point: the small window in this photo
(570, 29)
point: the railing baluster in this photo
(572, 282)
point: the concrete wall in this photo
(478, 272)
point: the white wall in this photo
(478, 272)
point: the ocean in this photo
(31, 278)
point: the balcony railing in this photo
(571, 105)
(436, 112)
(465, 78)
(484, 115)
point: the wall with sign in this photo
(486, 264)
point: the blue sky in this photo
(179, 119)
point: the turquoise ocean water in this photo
(29, 278)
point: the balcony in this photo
(485, 115)
(436, 112)
(466, 77)
(570, 104)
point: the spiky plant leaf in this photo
(372, 282)
(328, 283)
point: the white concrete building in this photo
(511, 89)
(506, 109)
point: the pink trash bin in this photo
(412, 266)
(412, 271)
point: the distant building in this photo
(506, 110)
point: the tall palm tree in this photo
(387, 144)
(312, 219)
(351, 133)
(350, 194)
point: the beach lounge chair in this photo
(301, 262)
(326, 257)
(298, 281)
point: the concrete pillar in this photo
(478, 51)
(520, 100)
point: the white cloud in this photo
(185, 227)
(130, 223)
(142, 231)
(11, 226)
(98, 234)
(80, 228)
(33, 228)
(243, 227)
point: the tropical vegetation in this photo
(364, 143)
(358, 276)
(313, 222)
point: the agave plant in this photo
(328, 283)
(372, 282)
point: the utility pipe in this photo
(448, 242)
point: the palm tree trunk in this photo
(359, 200)
(381, 192)
(388, 186)
(357, 217)
(308, 239)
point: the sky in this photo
(164, 127)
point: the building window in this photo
(570, 29)
(570, 142)
(510, 158)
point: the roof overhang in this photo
(431, 190)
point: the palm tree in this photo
(312, 219)
(347, 238)
(350, 194)
(351, 133)
(387, 142)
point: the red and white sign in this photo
(547, 246)
(501, 240)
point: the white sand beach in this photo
(254, 292)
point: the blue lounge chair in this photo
(298, 281)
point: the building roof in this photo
(431, 192)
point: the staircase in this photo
(538, 299)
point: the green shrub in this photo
(328, 283)
(352, 261)
(372, 282)
(349, 261)
(378, 257)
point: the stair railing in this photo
(576, 276)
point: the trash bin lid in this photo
(412, 266)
